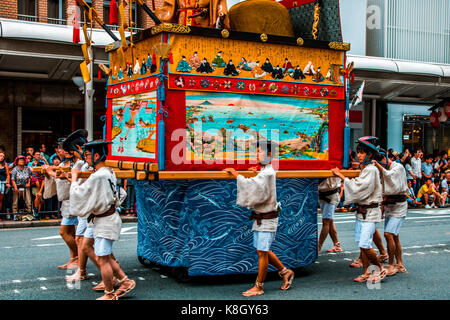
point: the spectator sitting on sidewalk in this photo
(444, 197)
(411, 198)
(427, 195)
(20, 178)
(444, 185)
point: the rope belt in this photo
(393, 199)
(323, 195)
(110, 211)
(362, 208)
(266, 215)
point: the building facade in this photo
(401, 50)
(41, 97)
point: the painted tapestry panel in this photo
(227, 125)
(134, 125)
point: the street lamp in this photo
(88, 90)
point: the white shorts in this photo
(69, 221)
(327, 210)
(81, 227)
(89, 233)
(393, 225)
(262, 240)
(102, 247)
(364, 231)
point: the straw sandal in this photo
(383, 257)
(357, 263)
(69, 265)
(362, 278)
(336, 248)
(391, 270)
(401, 268)
(380, 276)
(109, 295)
(288, 276)
(126, 285)
(252, 293)
(79, 275)
(101, 285)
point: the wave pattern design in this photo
(197, 224)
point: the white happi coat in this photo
(395, 183)
(96, 196)
(260, 195)
(328, 185)
(61, 188)
(365, 189)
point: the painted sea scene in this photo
(134, 125)
(227, 125)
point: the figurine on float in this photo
(201, 13)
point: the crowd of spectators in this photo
(21, 189)
(427, 174)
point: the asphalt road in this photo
(29, 257)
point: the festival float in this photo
(192, 95)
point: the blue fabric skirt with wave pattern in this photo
(197, 224)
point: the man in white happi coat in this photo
(97, 199)
(329, 190)
(395, 191)
(259, 194)
(366, 192)
(60, 186)
(84, 235)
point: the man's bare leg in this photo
(263, 266)
(86, 250)
(391, 250)
(398, 255)
(324, 232)
(286, 274)
(107, 274)
(68, 235)
(379, 243)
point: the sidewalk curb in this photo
(45, 223)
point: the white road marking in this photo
(406, 254)
(49, 244)
(347, 259)
(434, 252)
(420, 253)
(446, 250)
(431, 221)
(331, 260)
(430, 213)
(47, 238)
(407, 218)
(42, 279)
(91, 275)
(16, 291)
(16, 281)
(140, 278)
(123, 230)
(43, 288)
